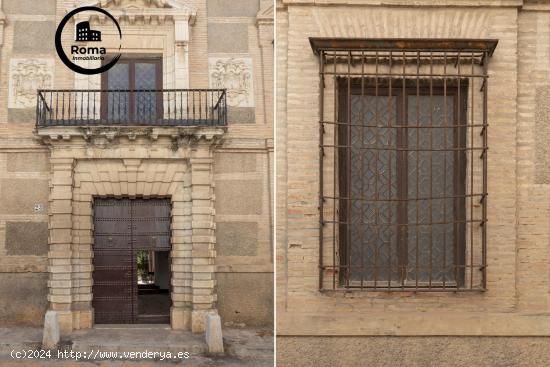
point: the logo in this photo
(85, 34)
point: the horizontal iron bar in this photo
(390, 126)
(401, 75)
(408, 199)
(384, 288)
(406, 149)
(399, 44)
(130, 90)
(480, 221)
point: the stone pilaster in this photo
(60, 281)
(203, 236)
(265, 23)
(182, 247)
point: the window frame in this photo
(353, 86)
(132, 60)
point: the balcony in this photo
(167, 107)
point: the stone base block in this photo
(214, 338)
(198, 320)
(180, 318)
(51, 335)
(83, 319)
(65, 319)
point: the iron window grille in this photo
(403, 163)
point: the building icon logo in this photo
(84, 33)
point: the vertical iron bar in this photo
(118, 105)
(169, 103)
(38, 112)
(471, 127)
(445, 153)
(205, 118)
(402, 156)
(485, 153)
(431, 183)
(51, 104)
(56, 105)
(361, 153)
(63, 107)
(376, 195)
(417, 249)
(336, 153)
(390, 195)
(458, 170)
(348, 168)
(69, 108)
(321, 157)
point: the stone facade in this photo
(49, 176)
(516, 301)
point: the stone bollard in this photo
(214, 338)
(50, 338)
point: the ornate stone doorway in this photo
(133, 163)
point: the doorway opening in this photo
(131, 261)
(153, 284)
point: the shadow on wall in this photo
(24, 298)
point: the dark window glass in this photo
(401, 179)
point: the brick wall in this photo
(240, 166)
(517, 246)
(24, 169)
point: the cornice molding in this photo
(102, 135)
(131, 10)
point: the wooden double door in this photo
(122, 227)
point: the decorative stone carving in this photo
(2, 24)
(26, 76)
(104, 136)
(144, 11)
(234, 74)
(135, 3)
(266, 15)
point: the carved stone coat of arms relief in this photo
(234, 74)
(26, 77)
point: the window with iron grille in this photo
(403, 163)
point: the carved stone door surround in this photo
(129, 162)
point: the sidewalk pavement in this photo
(244, 347)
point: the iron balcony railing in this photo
(167, 107)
